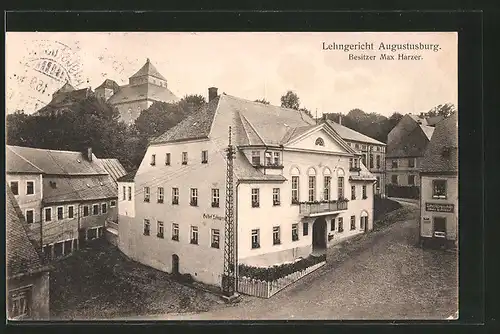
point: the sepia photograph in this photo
(231, 176)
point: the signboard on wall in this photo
(437, 207)
(212, 216)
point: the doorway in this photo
(319, 235)
(175, 264)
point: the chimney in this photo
(340, 119)
(421, 115)
(212, 93)
(89, 153)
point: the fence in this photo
(403, 191)
(266, 289)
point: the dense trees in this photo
(290, 100)
(263, 101)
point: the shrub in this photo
(279, 271)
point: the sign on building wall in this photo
(436, 207)
(212, 216)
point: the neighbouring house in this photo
(439, 185)
(406, 144)
(145, 87)
(295, 193)
(66, 197)
(27, 276)
(63, 99)
(372, 150)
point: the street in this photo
(383, 275)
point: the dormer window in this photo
(320, 142)
(268, 158)
(255, 158)
(276, 158)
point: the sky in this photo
(247, 65)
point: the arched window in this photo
(363, 221)
(311, 172)
(340, 183)
(295, 172)
(327, 184)
(320, 142)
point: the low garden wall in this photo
(266, 282)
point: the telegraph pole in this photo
(229, 275)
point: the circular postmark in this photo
(45, 67)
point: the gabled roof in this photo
(113, 167)
(57, 189)
(146, 91)
(441, 154)
(65, 88)
(428, 130)
(432, 121)
(22, 258)
(17, 164)
(412, 144)
(148, 70)
(52, 162)
(350, 134)
(128, 177)
(110, 84)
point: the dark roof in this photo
(412, 144)
(17, 164)
(196, 125)
(58, 189)
(22, 258)
(148, 69)
(65, 88)
(432, 121)
(113, 167)
(128, 178)
(442, 152)
(110, 84)
(52, 162)
(61, 99)
(350, 134)
(146, 91)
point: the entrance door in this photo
(319, 234)
(81, 237)
(175, 264)
(439, 227)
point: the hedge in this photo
(279, 271)
(403, 191)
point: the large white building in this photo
(299, 188)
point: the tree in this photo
(290, 100)
(195, 100)
(306, 111)
(444, 110)
(263, 101)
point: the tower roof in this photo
(148, 70)
(65, 88)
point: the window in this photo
(153, 159)
(353, 222)
(276, 235)
(364, 192)
(129, 193)
(440, 227)
(95, 209)
(215, 198)
(71, 212)
(364, 159)
(14, 186)
(161, 194)
(159, 229)
(175, 196)
(112, 204)
(184, 158)
(411, 180)
(194, 197)
(394, 179)
(341, 224)
(295, 232)
(326, 190)
(312, 188)
(255, 158)
(320, 142)
(378, 183)
(30, 216)
(146, 194)
(276, 196)
(371, 160)
(104, 208)
(356, 146)
(20, 303)
(86, 211)
(332, 225)
(439, 189)
(305, 228)
(269, 158)
(411, 162)
(146, 227)
(353, 192)
(255, 198)
(394, 164)
(363, 222)
(255, 239)
(204, 157)
(340, 185)
(215, 238)
(175, 232)
(363, 147)
(295, 189)
(276, 158)
(167, 159)
(30, 188)
(350, 163)
(378, 161)
(60, 213)
(194, 235)
(48, 214)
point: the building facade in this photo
(27, 277)
(372, 152)
(65, 197)
(406, 144)
(299, 188)
(439, 185)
